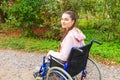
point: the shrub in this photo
(24, 13)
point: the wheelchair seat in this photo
(77, 60)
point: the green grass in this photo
(28, 44)
(109, 51)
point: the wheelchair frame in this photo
(91, 70)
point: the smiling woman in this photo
(73, 37)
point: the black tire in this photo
(92, 71)
(57, 73)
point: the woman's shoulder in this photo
(75, 31)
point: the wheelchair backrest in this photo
(78, 59)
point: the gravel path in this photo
(16, 65)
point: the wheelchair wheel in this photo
(57, 73)
(92, 72)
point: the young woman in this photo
(73, 37)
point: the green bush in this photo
(24, 13)
(101, 15)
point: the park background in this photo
(34, 25)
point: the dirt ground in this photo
(17, 65)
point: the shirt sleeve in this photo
(66, 46)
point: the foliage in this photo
(24, 13)
(102, 15)
(112, 9)
(98, 14)
(53, 34)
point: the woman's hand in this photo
(48, 54)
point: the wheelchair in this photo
(78, 67)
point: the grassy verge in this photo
(28, 44)
(109, 52)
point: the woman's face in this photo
(66, 21)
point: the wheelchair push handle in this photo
(98, 42)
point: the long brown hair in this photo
(73, 17)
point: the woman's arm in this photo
(66, 46)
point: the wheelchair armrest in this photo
(78, 49)
(56, 62)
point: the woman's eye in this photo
(65, 19)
